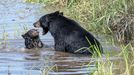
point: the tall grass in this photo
(100, 16)
(92, 14)
(124, 65)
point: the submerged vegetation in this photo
(115, 17)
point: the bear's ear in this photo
(23, 36)
(56, 12)
(61, 13)
(52, 16)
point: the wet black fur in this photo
(68, 35)
(32, 42)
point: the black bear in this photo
(32, 39)
(68, 35)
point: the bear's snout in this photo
(37, 24)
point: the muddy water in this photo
(15, 18)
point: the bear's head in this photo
(45, 20)
(33, 33)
